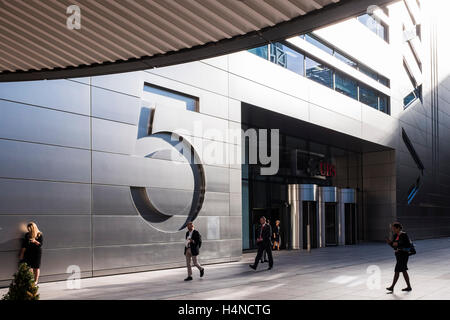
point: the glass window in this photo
(384, 105)
(260, 51)
(368, 72)
(346, 85)
(408, 99)
(319, 72)
(368, 96)
(375, 26)
(416, 94)
(286, 57)
(383, 80)
(343, 58)
(190, 101)
(318, 44)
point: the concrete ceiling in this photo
(128, 35)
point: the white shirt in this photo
(189, 238)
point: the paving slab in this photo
(354, 272)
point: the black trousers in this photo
(268, 248)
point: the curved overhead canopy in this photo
(49, 39)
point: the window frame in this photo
(178, 93)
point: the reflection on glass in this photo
(345, 59)
(368, 72)
(286, 57)
(346, 85)
(416, 94)
(319, 72)
(368, 96)
(384, 103)
(383, 80)
(408, 99)
(373, 25)
(318, 43)
(260, 51)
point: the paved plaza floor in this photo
(347, 272)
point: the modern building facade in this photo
(112, 167)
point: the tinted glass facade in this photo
(346, 85)
(300, 63)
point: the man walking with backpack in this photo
(192, 250)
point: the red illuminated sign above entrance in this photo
(327, 169)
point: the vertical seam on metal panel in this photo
(92, 198)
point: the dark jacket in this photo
(266, 234)
(403, 242)
(196, 244)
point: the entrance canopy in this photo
(60, 38)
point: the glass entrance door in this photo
(330, 224)
(350, 223)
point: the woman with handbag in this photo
(31, 250)
(401, 245)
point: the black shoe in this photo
(390, 289)
(188, 278)
(202, 272)
(269, 268)
(252, 266)
(261, 261)
(266, 260)
(407, 289)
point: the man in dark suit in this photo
(192, 250)
(263, 236)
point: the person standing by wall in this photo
(401, 243)
(31, 251)
(276, 236)
(192, 250)
(263, 233)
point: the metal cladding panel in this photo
(117, 200)
(159, 253)
(44, 197)
(236, 204)
(217, 204)
(194, 123)
(112, 200)
(180, 203)
(55, 94)
(129, 83)
(43, 162)
(129, 230)
(115, 106)
(126, 170)
(111, 136)
(63, 261)
(28, 123)
(65, 231)
(217, 179)
(10, 260)
(54, 262)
